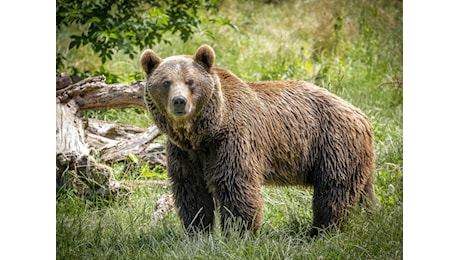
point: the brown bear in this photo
(227, 137)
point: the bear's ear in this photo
(150, 61)
(205, 56)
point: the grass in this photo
(124, 230)
(354, 49)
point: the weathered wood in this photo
(70, 129)
(75, 167)
(83, 145)
(112, 130)
(115, 142)
(141, 144)
(62, 80)
(95, 94)
(164, 205)
(148, 183)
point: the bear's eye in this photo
(166, 83)
(189, 82)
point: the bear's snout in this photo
(178, 104)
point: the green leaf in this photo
(111, 26)
(133, 158)
(94, 20)
(73, 44)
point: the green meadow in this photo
(352, 48)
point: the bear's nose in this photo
(179, 103)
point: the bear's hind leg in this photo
(329, 207)
(368, 196)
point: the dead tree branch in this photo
(84, 146)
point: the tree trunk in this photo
(84, 146)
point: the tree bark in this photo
(95, 94)
(84, 146)
(75, 167)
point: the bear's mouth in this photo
(179, 113)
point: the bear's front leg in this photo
(237, 187)
(194, 202)
(240, 207)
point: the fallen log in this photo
(95, 94)
(85, 147)
(76, 168)
(115, 142)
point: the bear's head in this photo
(179, 87)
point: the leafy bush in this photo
(125, 25)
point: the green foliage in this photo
(284, 68)
(158, 173)
(124, 230)
(126, 116)
(136, 169)
(128, 26)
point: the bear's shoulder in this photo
(229, 80)
(227, 77)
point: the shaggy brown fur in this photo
(227, 137)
